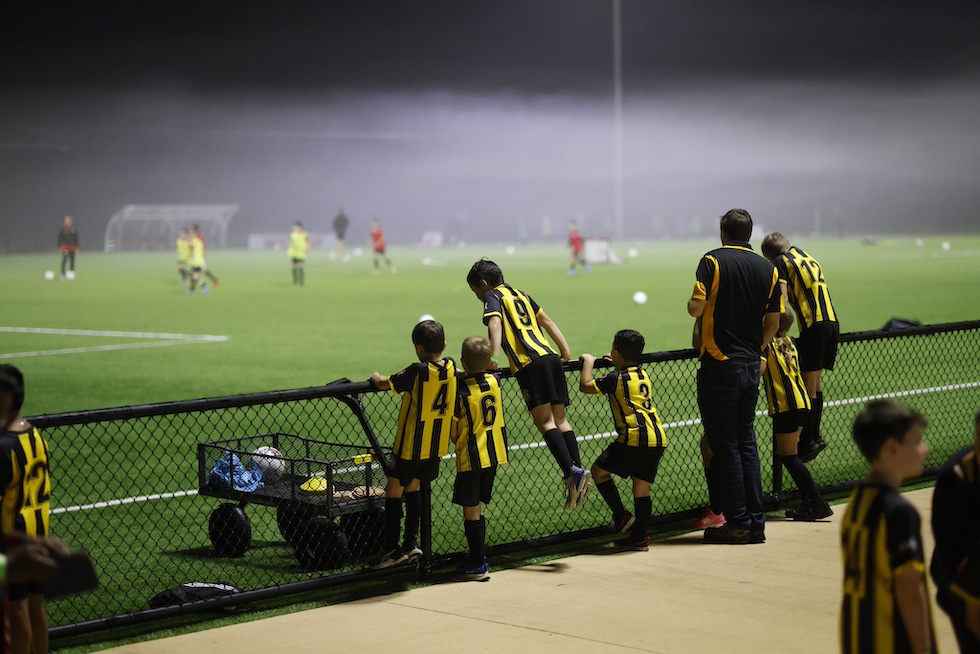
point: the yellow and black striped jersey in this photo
(637, 422)
(428, 403)
(25, 482)
(805, 286)
(783, 380)
(522, 339)
(738, 287)
(481, 440)
(880, 539)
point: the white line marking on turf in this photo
(158, 340)
(538, 444)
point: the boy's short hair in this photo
(487, 271)
(774, 245)
(737, 225)
(478, 352)
(298, 223)
(630, 344)
(881, 420)
(12, 383)
(430, 335)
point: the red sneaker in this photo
(709, 519)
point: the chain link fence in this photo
(166, 494)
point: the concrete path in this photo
(681, 596)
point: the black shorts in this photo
(474, 486)
(379, 251)
(543, 382)
(625, 461)
(298, 260)
(817, 346)
(405, 471)
(17, 592)
(788, 423)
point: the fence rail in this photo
(134, 485)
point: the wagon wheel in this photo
(364, 531)
(230, 530)
(292, 523)
(322, 545)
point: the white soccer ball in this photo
(357, 252)
(640, 297)
(944, 245)
(345, 258)
(510, 249)
(633, 253)
(70, 275)
(49, 275)
(424, 317)
(268, 462)
(918, 242)
(426, 261)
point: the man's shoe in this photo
(810, 512)
(412, 555)
(728, 535)
(631, 545)
(757, 536)
(708, 519)
(623, 525)
(390, 559)
(469, 572)
(810, 453)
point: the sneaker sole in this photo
(812, 454)
(483, 577)
(632, 548)
(627, 526)
(582, 489)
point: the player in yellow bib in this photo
(299, 243)
(183, 249)
(198, 264)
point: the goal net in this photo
(142, 227)
(599, 250)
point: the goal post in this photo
(143, 227)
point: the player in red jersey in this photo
(380, 247)
(577, 244)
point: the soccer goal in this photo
(599, 250)
(142, 227)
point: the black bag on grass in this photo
(193, 591)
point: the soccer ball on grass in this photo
(49, 275)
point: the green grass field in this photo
(347, 322)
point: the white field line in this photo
(156, 340)
(537, 444)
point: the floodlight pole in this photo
(618, 118)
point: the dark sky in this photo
(431, 114)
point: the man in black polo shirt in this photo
(737, 299)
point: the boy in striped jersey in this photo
(428, 390)
(637, 451)
(517, 324)
(886, 603)
(480, 438)
(789, 405)
(801, 282)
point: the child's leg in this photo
(475, 529)
(413, 515)
(786, 448)
(393, 514)
(571, 443)
(39, 623)
(607, 488)
(643, 507)
(544, 420)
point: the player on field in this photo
(340, 223)
(518, 325)
(183, 249)
(299, 243)
(480, 439)
(956, 527)
(801, 280)
(68, 245)
(24, 506)
(637, 451)
(576, 243)
(199, 265)
(788, 407)
(886, 604)
(380, 247)
(428, 390)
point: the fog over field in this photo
(490, 121)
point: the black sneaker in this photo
(727, 535)
(811, 452)
(757, 536)
(810, 512)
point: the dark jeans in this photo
(727, 394)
